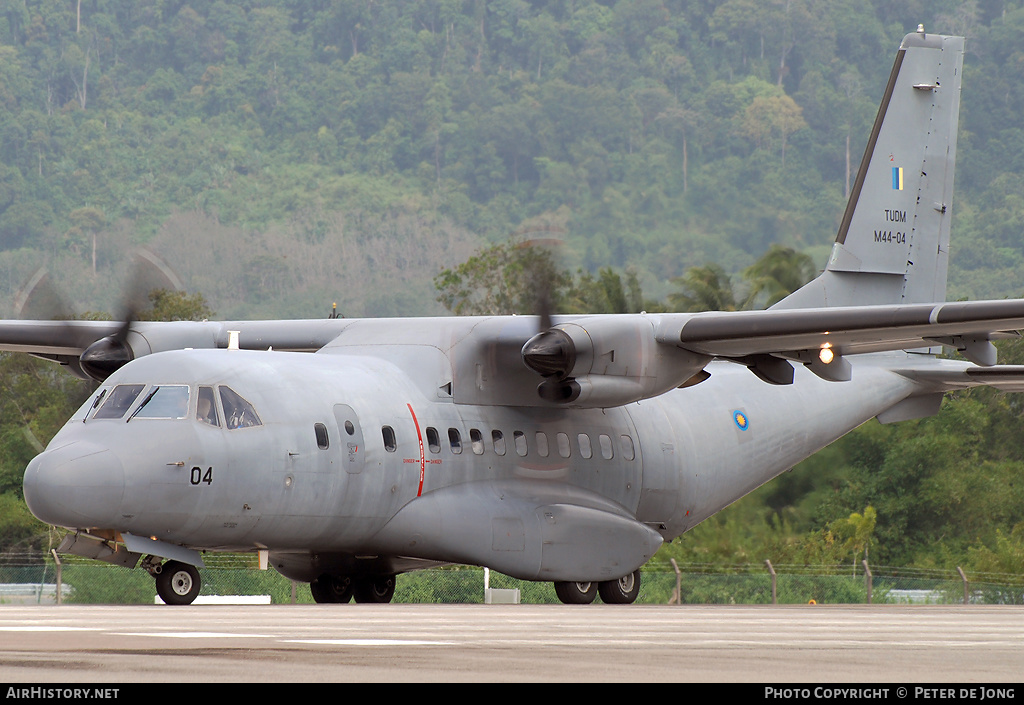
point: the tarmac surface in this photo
(507, 643)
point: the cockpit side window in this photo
(206, 407)
(118, 401)
(164, 402)
(238, 413)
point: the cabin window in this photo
(322, 441)
(563, 444)
(542, 444)
(206, 407)
(520, 441)
(237, 411)
(388, 434)
(455, 440)
(626, 446)
(585, 450)
(499, 442)
(118, 401)
(477, 440)
(606, 446)
(433, 440)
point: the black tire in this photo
(623, 591)
(178, 583)
(331, 589)
(572, 593)
(375, 589)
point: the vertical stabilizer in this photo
(893, 242)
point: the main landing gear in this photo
(623, 591)
(177, 583)
(378, 589)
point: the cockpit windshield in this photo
(118, 401)
(172, 401)
(164, 402)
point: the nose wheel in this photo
(177, 583)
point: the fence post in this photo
(867, 577)
(964, 579)
(678, 598)
(772, 571)
(57, 561)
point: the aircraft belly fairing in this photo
(528, 529)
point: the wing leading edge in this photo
(968, 326)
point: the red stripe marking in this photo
(423, 459)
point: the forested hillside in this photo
(283, 155)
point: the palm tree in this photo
(706, 288)
(778, 273)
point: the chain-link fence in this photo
(26, 580)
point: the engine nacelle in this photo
(607, 361)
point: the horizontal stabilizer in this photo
(1005, 378)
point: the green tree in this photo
(706, 288)
(170, 305)
(772, 118)
(87, 221)
(501, 279)
(857, 530)
(777, 274)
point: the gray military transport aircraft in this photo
(563, 449)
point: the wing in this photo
(822, 338)
(94, 349)
(602, 361)
(857, 329)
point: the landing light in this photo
(826, 355)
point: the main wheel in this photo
(623, 591)
(178, 583)
(374, 589)
(335, 589)
(571, 593)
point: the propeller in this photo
(107, 355)
(550, 353)
(39, 299)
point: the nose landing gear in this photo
(177, 583)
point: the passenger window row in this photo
(522, 444)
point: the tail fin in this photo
(893, 243)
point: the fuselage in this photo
(340, 446)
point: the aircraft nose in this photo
(80, 485)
